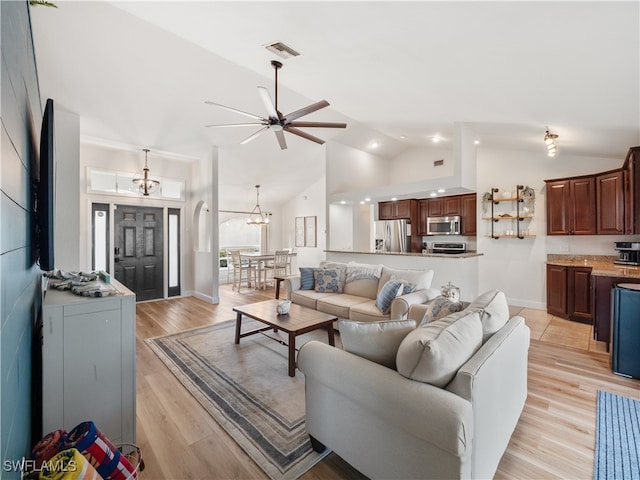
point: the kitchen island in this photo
(461, 269)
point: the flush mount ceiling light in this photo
(256, 217)
(550, 142)
(145, 184)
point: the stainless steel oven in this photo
(443, 225)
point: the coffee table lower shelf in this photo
(299, 320)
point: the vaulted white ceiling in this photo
(139, 72)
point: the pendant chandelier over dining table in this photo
(256, 217)
(146, 185)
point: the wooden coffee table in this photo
(299, 320)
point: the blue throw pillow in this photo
(329, 280)
(387, 293)
(306, 278)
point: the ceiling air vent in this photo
(438, 163)
(281, 50)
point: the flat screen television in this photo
(46, 189)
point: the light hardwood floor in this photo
(555, 437)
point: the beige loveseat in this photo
(430, 418)
(361, 290)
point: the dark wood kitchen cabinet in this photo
(423, 214)
(571, 206)
(569, 292)
(397, 210)
(444, 206)
(610, 203)
(631, 177)
(468, 219)
(601, 294)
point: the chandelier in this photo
(256, 217)
(145, 184)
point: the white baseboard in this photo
(206, 298)
(517, 302)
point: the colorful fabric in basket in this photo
(68, 464)
(101, 453)
(48, 446)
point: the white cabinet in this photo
(89, 362)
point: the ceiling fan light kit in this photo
(276, 121)
(551, 143)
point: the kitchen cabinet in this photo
(571, 206)
(423, 214)
(397, 210)
(601, 295)
(631, 177)
(468, 212)
(435, 207)
(569, 292)
(610, 203)
(89, 362)
(444, 206)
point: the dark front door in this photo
(138, 250)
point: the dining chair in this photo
(281, 259)
(239, 269)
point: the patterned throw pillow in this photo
(439, 308)
(307, 281)
(388, 292)
(329, 280)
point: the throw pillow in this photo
(435, 352)
(375, 341)
(329, 280)
(387, 293)
(362, 279)
(439, 308)
(307, 281)
(421, 279)
(494, 311)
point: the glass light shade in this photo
(146, 185)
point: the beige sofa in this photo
(357, 301)
(390, 425)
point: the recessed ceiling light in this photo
(433, 194)
(436, 139)
(361, 202)
(394, 199)
(402, 137)
(476, 142)
(374, 144)
(367, 199)
(343, 202)
(441, 190)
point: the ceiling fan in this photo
(276, 121)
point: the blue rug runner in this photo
(617, 438)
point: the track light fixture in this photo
(550, 142)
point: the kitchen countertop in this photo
(601, 265)
(467, 254)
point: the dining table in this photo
(259, 260)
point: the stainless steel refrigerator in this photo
(392, 236)
(625, 331)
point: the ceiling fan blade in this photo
(302, 134)
(281, 139)
(236, 125)
(236, 110)
(268, 103)
(306, 110)
(317, 124)
(253, 135)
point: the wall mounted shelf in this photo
(519, 216)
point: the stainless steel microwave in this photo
(443, 225)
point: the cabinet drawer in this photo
(91, 306)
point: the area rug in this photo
(617, 437)
(247, 390)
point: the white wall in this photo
(341, 233)
(350, 169)
(417, 164)
(309, 202)
(518, 266)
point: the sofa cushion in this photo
(338, 305)
(308, 298)
(439, 308)
(329, 280)
(494, 311)
(434, 352)
(420, 279)
(387, 293)
(362, 279)
(367, 312)
(307, 282)
(375, 341)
